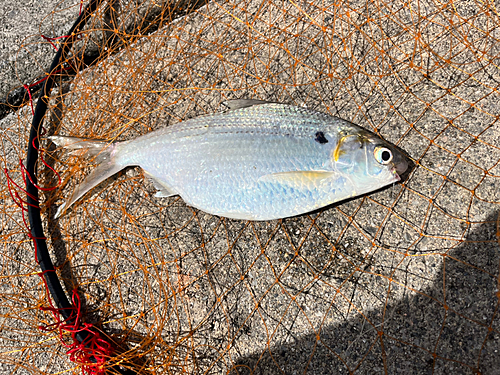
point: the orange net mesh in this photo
(405, 280)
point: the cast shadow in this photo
(450, 327)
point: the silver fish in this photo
(256, 161)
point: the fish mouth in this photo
(401, 167)
(395, 172)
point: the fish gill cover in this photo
(405, 280)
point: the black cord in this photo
(42, 253)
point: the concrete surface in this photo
(24, 55)
(403, 281)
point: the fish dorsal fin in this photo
(306, 180)
(243, 103)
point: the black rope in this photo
(42, 253)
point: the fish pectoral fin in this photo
(243, 103)
(163, 190)
(299, 179)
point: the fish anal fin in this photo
(163, 190)
(243, 103)
(299, 179)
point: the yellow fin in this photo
(299, 179)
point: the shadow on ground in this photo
(442, 329)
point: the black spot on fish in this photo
(320, 138)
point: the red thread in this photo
(49, 39)
(92, 353)
(74, 37)
(41, 151)
(20, 202)
(25, 174)
(28, 87)
(17, 199)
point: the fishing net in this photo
(404, 280)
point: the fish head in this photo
(367, 160)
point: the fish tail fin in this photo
(85, 147)
(105, 153)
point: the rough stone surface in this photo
(404, 280)
(24, 55)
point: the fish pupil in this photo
(320, 138)
(386, 156)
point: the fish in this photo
(255, 161)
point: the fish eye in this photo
(383, 155)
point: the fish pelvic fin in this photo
(105, 153)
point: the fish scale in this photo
(256, 161)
